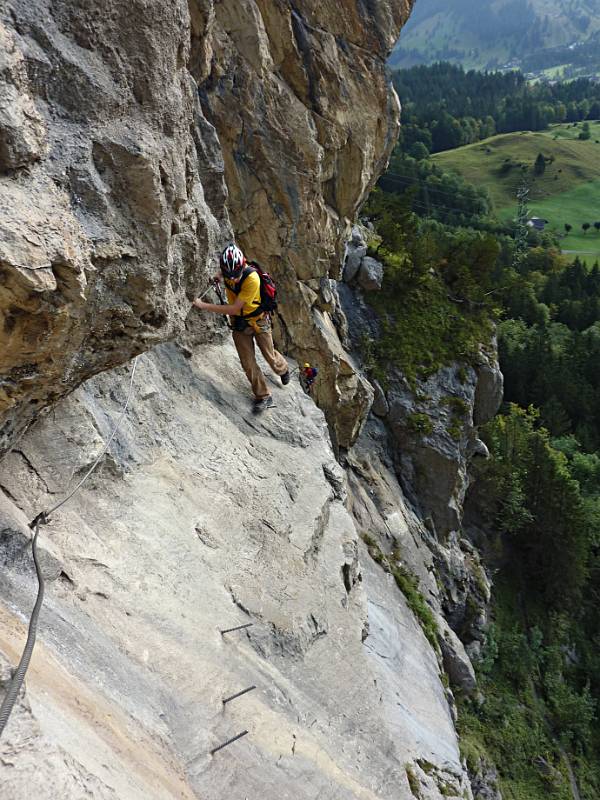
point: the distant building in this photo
(538, 223)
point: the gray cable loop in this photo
(19, 676)
(42, 519)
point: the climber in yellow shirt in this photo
(249, 322)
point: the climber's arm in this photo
(232, 309)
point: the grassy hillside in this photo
(495, 33)
(567, 192)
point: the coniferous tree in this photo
(540, 165)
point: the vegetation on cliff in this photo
(433, 307)
(448, 281)
(540, 673)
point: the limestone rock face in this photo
(490, 388)
(306, 119)
(426, 436)
(112, 196)
(457, 663)
(384, 515)
(370, 275)
(381, 407)
(355, 252)
(22, 131)
(436, 429)
(203, 516)
(485, 781)
(111, 191)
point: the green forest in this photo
(454, 275)
(444, 106)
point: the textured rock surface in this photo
(306, 126)
(432, 439)
(118, 126)
(485, 781)
(457, 663)
(383, 514)
(359, 268)
(356, 250)
(370, 274)
(22, 131)
(436, 432)
(381, 407)
(204, 516)
(111, 191)
(489, 390)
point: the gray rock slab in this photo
(203, 516)
(370, 274)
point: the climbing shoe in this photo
(285, 378)
(261, 405)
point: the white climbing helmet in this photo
(232, 261)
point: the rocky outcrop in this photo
(359, 268)
(431, 440)
(370, 274)
(356, 250)
(111, 192)
(385, 515)
(484, 780)
(202, 517)
(306, 126)
(111, 176)
(23, 133)
(420, 444)
(434, 426)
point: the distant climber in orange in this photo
(251, 299)
(308, 377)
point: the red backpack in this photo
(268, 290)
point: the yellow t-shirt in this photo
(249, 293)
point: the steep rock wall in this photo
(113, 206)
(204, 517)
(111, 192)
(306, 119)
(415, 453)
(112, 195)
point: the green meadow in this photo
(568, 192)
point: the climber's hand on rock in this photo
(200, 304)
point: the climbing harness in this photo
(43, 518)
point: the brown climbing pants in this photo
(244, 344)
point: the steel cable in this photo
(17, 680)
(43, 518)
